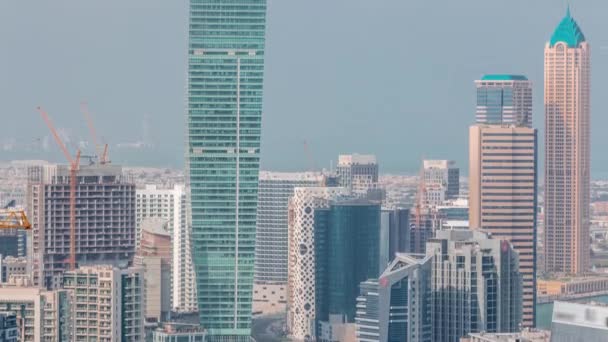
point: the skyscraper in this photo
(502, 195)
(567, 162)
(270, 276)
(225, 77)
(504, 99)
(170, 205)
(301, 297)
(475, 284)
(397, 306)
(346, 249)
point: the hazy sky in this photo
(389, 77)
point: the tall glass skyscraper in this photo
(504, 99)
(225, 76)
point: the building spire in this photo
(568, 10)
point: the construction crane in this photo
(101, 152)
(13, 219)
(74, 164)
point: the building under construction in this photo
(104, 219)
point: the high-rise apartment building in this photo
(105, 219)
(225, 81)
(41, 315)
(170, 204)
(397, 306)
(441, 182)
(502, 195)
(346, 249)
(357, 172)
(301, 296)
(271, 250)
(108, 303)
(567, 160)
(504, 99)
(475, 284)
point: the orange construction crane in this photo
(14, 219)
(102, 153)
(74, 166)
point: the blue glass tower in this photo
(504, 99)
(225, 76)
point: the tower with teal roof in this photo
(567, 152)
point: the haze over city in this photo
(393, 78)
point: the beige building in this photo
(567, 161)
(502, 195)
(41, 315)
(108, 303)
(153, 256)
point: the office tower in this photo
(567, 162)
(170, 204)
(504, 100)
(579, 322)
(301, 295)
(441, 182)
(174, 332)
(475, 283)
(397, 307)
(41, 315)
(358, 172)
(8, 327)
(422, 227)
(105, 219)
(394, 234)
(153, 256)
(346, 250)
(502, 195)
(271, 258)
(225, 77)
(113, 307)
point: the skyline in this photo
(329, 81)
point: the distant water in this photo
(544, 312)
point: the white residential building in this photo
(170, 204)
(301, 276)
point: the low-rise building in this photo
(175, 332)
(527, 335)
(579, 322)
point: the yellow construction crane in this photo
(14, 219)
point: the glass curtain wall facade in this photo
(504, 99)
(225, 76)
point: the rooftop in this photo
(503, 77)
(567, 32)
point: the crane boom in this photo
(101, 152)
(49, 123)
(14, 219)
(74, 167)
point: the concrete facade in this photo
(502, 195)
(105, 219)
